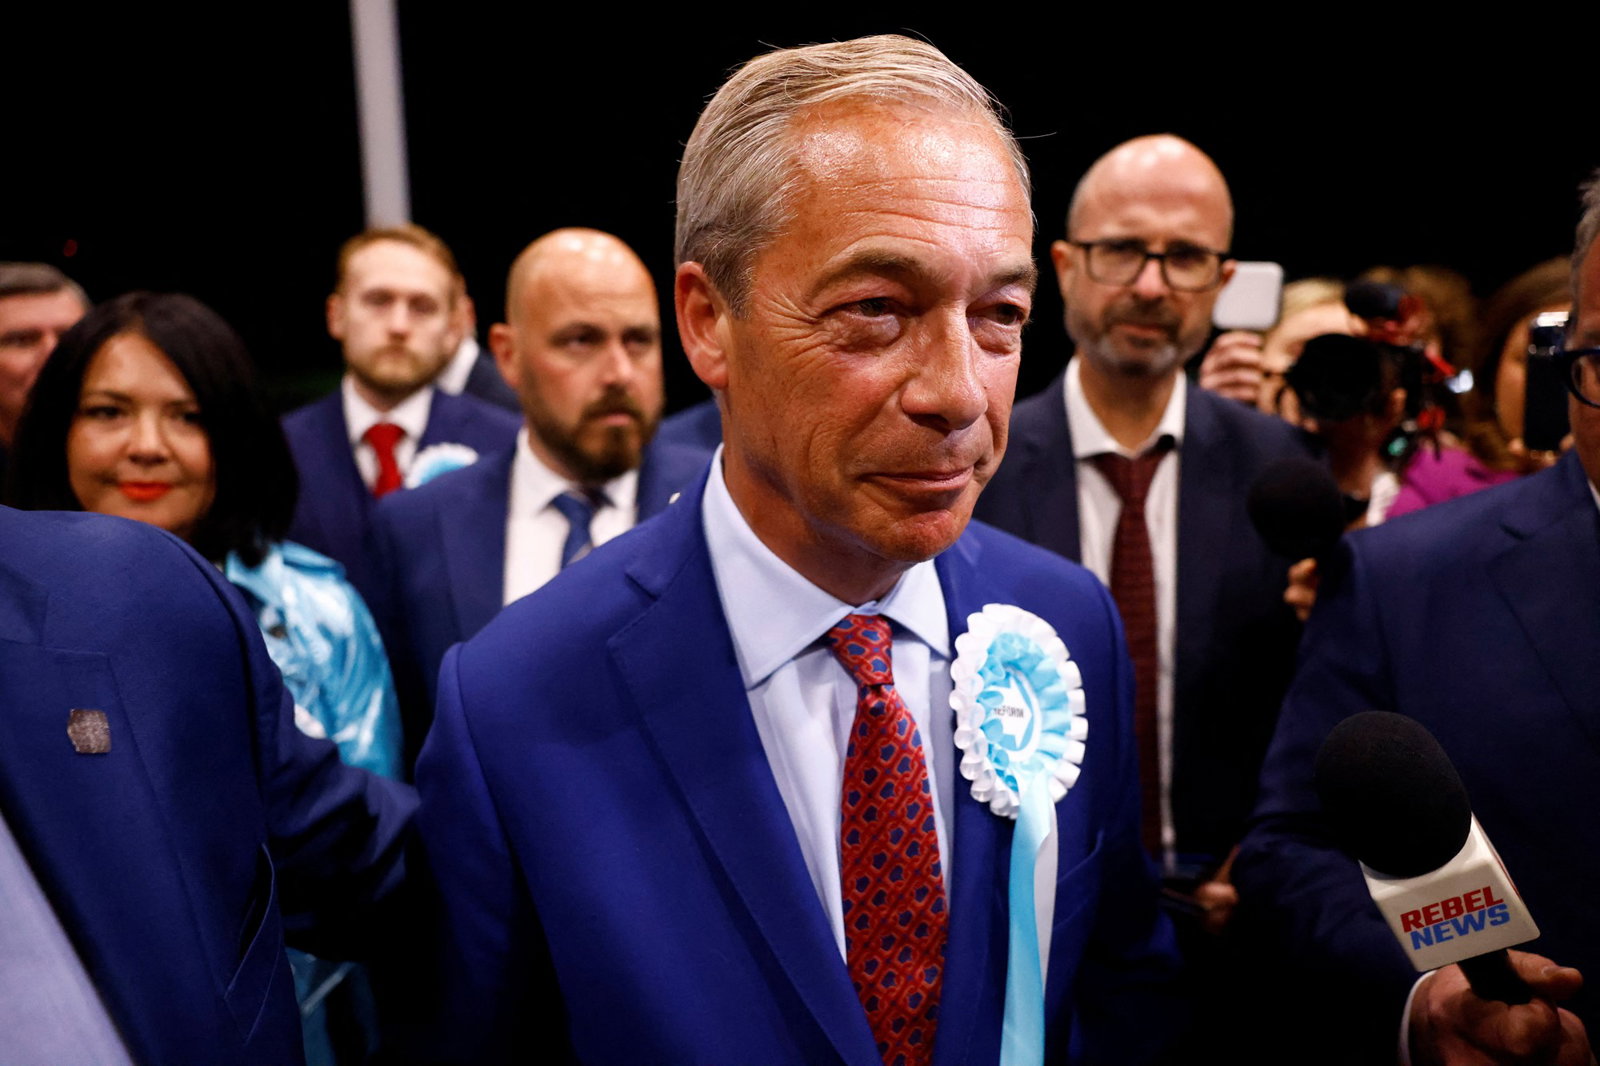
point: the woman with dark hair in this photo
(147, 409)
(1490, 450)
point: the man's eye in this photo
(874, 308)
(376, 299)
(1009, 314)
(423, 308)
(1184, 255)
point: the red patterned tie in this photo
(1133, 586)
(893, 886)
(383, 436)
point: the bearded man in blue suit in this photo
(582, 347)
(643, 788)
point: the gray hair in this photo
(37, 279)
(737, 181)
(1588, 229)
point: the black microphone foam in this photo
(1296, 506)
(1391, 794)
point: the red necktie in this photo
(383, 436)
(892, 883)
(1133, 586)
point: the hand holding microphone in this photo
(1394, 801)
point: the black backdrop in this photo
(217, 154)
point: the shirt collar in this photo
(534, 484)
(777, 613)
(1089, 436)
(410, 414)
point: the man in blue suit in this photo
(582, 347)
(166, 827)
(393, 310)
(649, 784)
(1479, 619)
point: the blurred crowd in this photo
(455, 471)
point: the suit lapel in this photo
(977, 948)
(1207, 497)
(472, 536)
(1550, 578)
(1051, 482)
(677, 661)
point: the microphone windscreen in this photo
(1391, 795)
(1296, 506)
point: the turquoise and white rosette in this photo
(1018, 698)
(438, 459)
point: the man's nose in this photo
(1150, 283)
(617, 366)
(947, 386)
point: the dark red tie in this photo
(1133, 586)
(383, 436)
(892, 883)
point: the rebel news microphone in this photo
(1394, 801)
(1297, 508)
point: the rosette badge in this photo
(1020, 725)
(1018, 699)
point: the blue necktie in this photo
(578, 510)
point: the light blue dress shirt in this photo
(801, 698)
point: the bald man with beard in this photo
(581, 348)
(1146, 253)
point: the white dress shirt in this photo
(803, 701)
(453, 378)
(410, 414)
(1099, 508)
(536, 532)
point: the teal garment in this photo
(323, 640)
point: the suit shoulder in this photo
(1041, 415)
(318, 413)
(1011, 562)
(470, 417)
(1266, 437)
(490, 474)
(114, 579)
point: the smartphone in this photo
(1250, 299)
(1544, 402)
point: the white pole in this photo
(375, 31)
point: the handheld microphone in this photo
(1395, 802)
(1297, 508)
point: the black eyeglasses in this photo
(1184, 267)
(1581, 371)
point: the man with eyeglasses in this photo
(1480, 618)
(1201, 596)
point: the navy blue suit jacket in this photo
(699, 426)
(334, 512)
(177, 860)
(605, 829)
(442, 548)
(1235, 639)
(1480, 618)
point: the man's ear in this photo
(502, 342)
(1061, 256)
(335, 313)
(704, 324)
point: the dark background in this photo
(217, 153)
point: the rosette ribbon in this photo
(1020, 725)
(438, 459)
